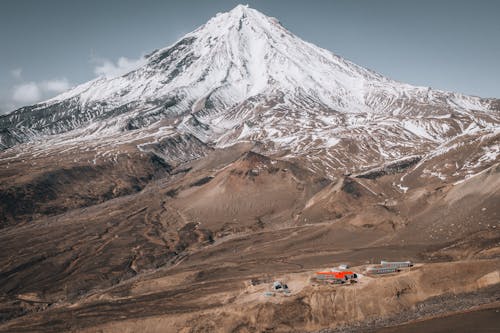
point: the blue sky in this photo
(48, 46)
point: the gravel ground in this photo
(431, 308)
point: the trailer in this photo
(397, 264)
(381, 270)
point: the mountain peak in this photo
(234, 19)
(243, 11)
(240, 11)
(239, 8)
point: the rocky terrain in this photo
(169, 199)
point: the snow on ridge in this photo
(243, 77)
(253, 53)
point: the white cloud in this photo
(17, 73)
(109, 69)
(26, 93)
(55, 86)
(32, 92)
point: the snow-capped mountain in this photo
(243, 77)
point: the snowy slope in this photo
(244, 77)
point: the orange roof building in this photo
(330, 275)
